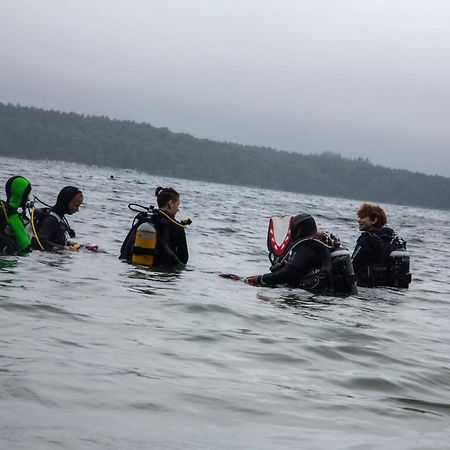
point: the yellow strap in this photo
(34, 229)
(4, 211)
(6, 217)
(172, 220)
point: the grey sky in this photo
(362, 78)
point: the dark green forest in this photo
(34, 133)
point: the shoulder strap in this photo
(309, 240)
(53, 214)
(381, 246)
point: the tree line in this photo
(32, 133)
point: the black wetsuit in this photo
(304, 258)
(372, 247)
(171, 246)
(53, 231)
(371, 255)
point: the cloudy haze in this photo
(358, 77)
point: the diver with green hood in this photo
(13, 236)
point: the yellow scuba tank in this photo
(144, 245)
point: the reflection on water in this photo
(96, 353)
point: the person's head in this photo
(371, 217)
(168, 200)
(17, 191)
(69, 200)
(303, 225)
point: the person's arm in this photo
(182, 248)
(21, 238)
(292, 271)
(361, 254)
(165, 254)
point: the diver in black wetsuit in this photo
(307, 255)
(171, 246)
(371, 258)
(53, 229)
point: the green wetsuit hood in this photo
(17, 191)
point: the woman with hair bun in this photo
(156, 237)
(171, 247)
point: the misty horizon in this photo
(363, 80)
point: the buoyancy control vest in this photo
(393, 268)
(38, 215)
(335, 275)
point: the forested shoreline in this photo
(32, 133)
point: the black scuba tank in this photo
(398, 268)
(344, 279)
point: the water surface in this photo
(98, 354)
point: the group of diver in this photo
(300, 255)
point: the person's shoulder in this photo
(158, 219)
(365, 238)
(384, 232)
(48, 218)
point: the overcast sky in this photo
(367, 78)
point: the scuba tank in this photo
(144, 248)
(344, 279)
(398, 268)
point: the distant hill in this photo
(38, 134)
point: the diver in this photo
(52, 228)
(306, 258)
(164, 234)
(380, 257)
(13, 236)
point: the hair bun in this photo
(158, 190)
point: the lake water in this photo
(98, 354)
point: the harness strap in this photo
(301, 241)
(144, 251)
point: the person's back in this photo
(13, 236)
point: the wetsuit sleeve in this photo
(166, 253)
(21, 237)
(294, 269)
(182, 248)
(47, 231)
